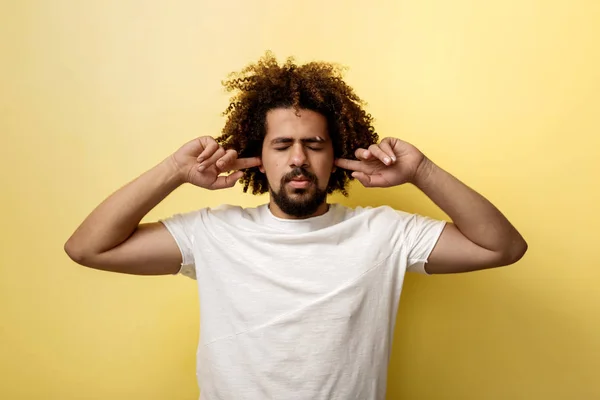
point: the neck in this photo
(276, 211)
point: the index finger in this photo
(243, 163)
(352, 165)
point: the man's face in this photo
(297, 157)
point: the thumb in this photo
(363, 178)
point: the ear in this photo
(261, 168)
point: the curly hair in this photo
(317, 86)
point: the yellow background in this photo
(503, 94)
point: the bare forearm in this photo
(117, 217)
(478, 219)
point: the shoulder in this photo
(224, 211)
(229, 212)
(387, 220)
(228, 216)
(380, 212)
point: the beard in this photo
(299, 202)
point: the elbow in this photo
(75, 253)
(515, 252)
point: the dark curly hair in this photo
(317, 86)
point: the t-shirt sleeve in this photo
(183, 227)
(421, 235)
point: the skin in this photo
(479, 236)
(112, 238)
(296, 142)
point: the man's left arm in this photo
(479, 237)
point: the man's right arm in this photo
(111, 238)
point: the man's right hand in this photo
(202, 161)
(112, 238)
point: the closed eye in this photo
(309, 147)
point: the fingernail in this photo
(201, 168)
(200, 159)
(386, 160)
(393, 158)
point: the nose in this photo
(298, 156)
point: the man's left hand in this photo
(390, 163)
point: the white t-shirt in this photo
(298, 309)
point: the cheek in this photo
(272, 169)
(324, 171)
(266, 163)
(326, 165)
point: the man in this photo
(298, 297)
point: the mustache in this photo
(299, 171)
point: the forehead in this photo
(286, 122)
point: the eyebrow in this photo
(281, 140)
